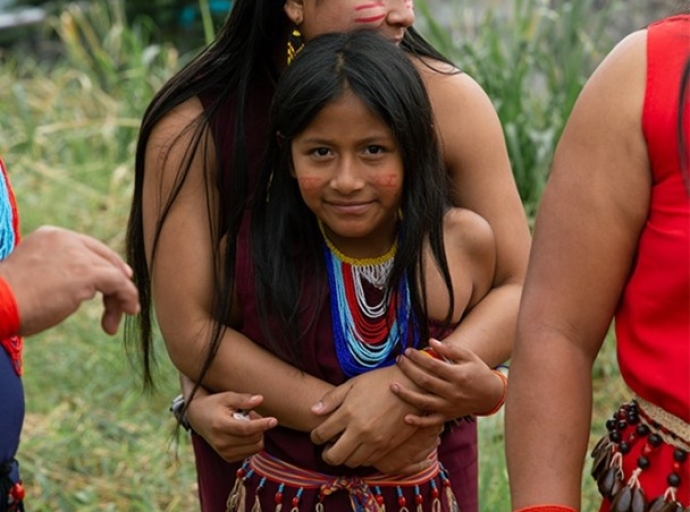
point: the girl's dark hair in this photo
(385, 80)
(245, 49)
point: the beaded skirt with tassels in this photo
(641, 464)
(267, 484)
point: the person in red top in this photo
(612, 241)
(43, 280)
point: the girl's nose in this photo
(347, 179)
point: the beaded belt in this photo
(11, 491)
(364, 492)
(672, 429)
(642, 422)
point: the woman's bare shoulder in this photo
(176, 123)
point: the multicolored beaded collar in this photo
(367, 336)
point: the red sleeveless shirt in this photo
(653, 317)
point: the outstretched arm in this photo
(53, 270)
(592, 212)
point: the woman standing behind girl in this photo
(350, 254)
(197, 162)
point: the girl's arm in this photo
(593, 210)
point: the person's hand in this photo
(234, 436)
(467, 386)
(413, 455)
(53, 270)
(366, 419)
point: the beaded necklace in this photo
(366, 335)
(7, 217)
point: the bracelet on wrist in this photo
(547, 508)
(428, 351)
(501, 400)
(177, 407)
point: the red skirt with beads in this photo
(641, 464)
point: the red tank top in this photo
(653, 318)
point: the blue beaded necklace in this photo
(365, 336)
(7, 234)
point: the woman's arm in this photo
(182, 283)
(468, 386)
(592, 212)
(214, 416)
(475, 154)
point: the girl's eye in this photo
(320, 152)
(374, 149)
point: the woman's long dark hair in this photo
(384, 79)
(244, 49)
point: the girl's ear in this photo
(294, 9)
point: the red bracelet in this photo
(9, 314)
(547, 508)
(501, 400)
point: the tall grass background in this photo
(92, 440)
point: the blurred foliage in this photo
(532, 59)
(187, 23)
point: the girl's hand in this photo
(450, 390)
(366, 420)
(217, 418)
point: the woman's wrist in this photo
(504, 388)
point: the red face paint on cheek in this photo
(309, 182)
(387, 180)
(370, 12)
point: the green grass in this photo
(92, 440)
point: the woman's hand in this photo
(366, 419)
(450, 390)
(412, 456)
(219, 420)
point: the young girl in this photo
(350, 255)
(198, 159)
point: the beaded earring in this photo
(295, 44)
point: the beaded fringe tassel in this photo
(607, 468)
(363, 496)
(237, 499)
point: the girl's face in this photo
(314, 17)
(350, 174)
